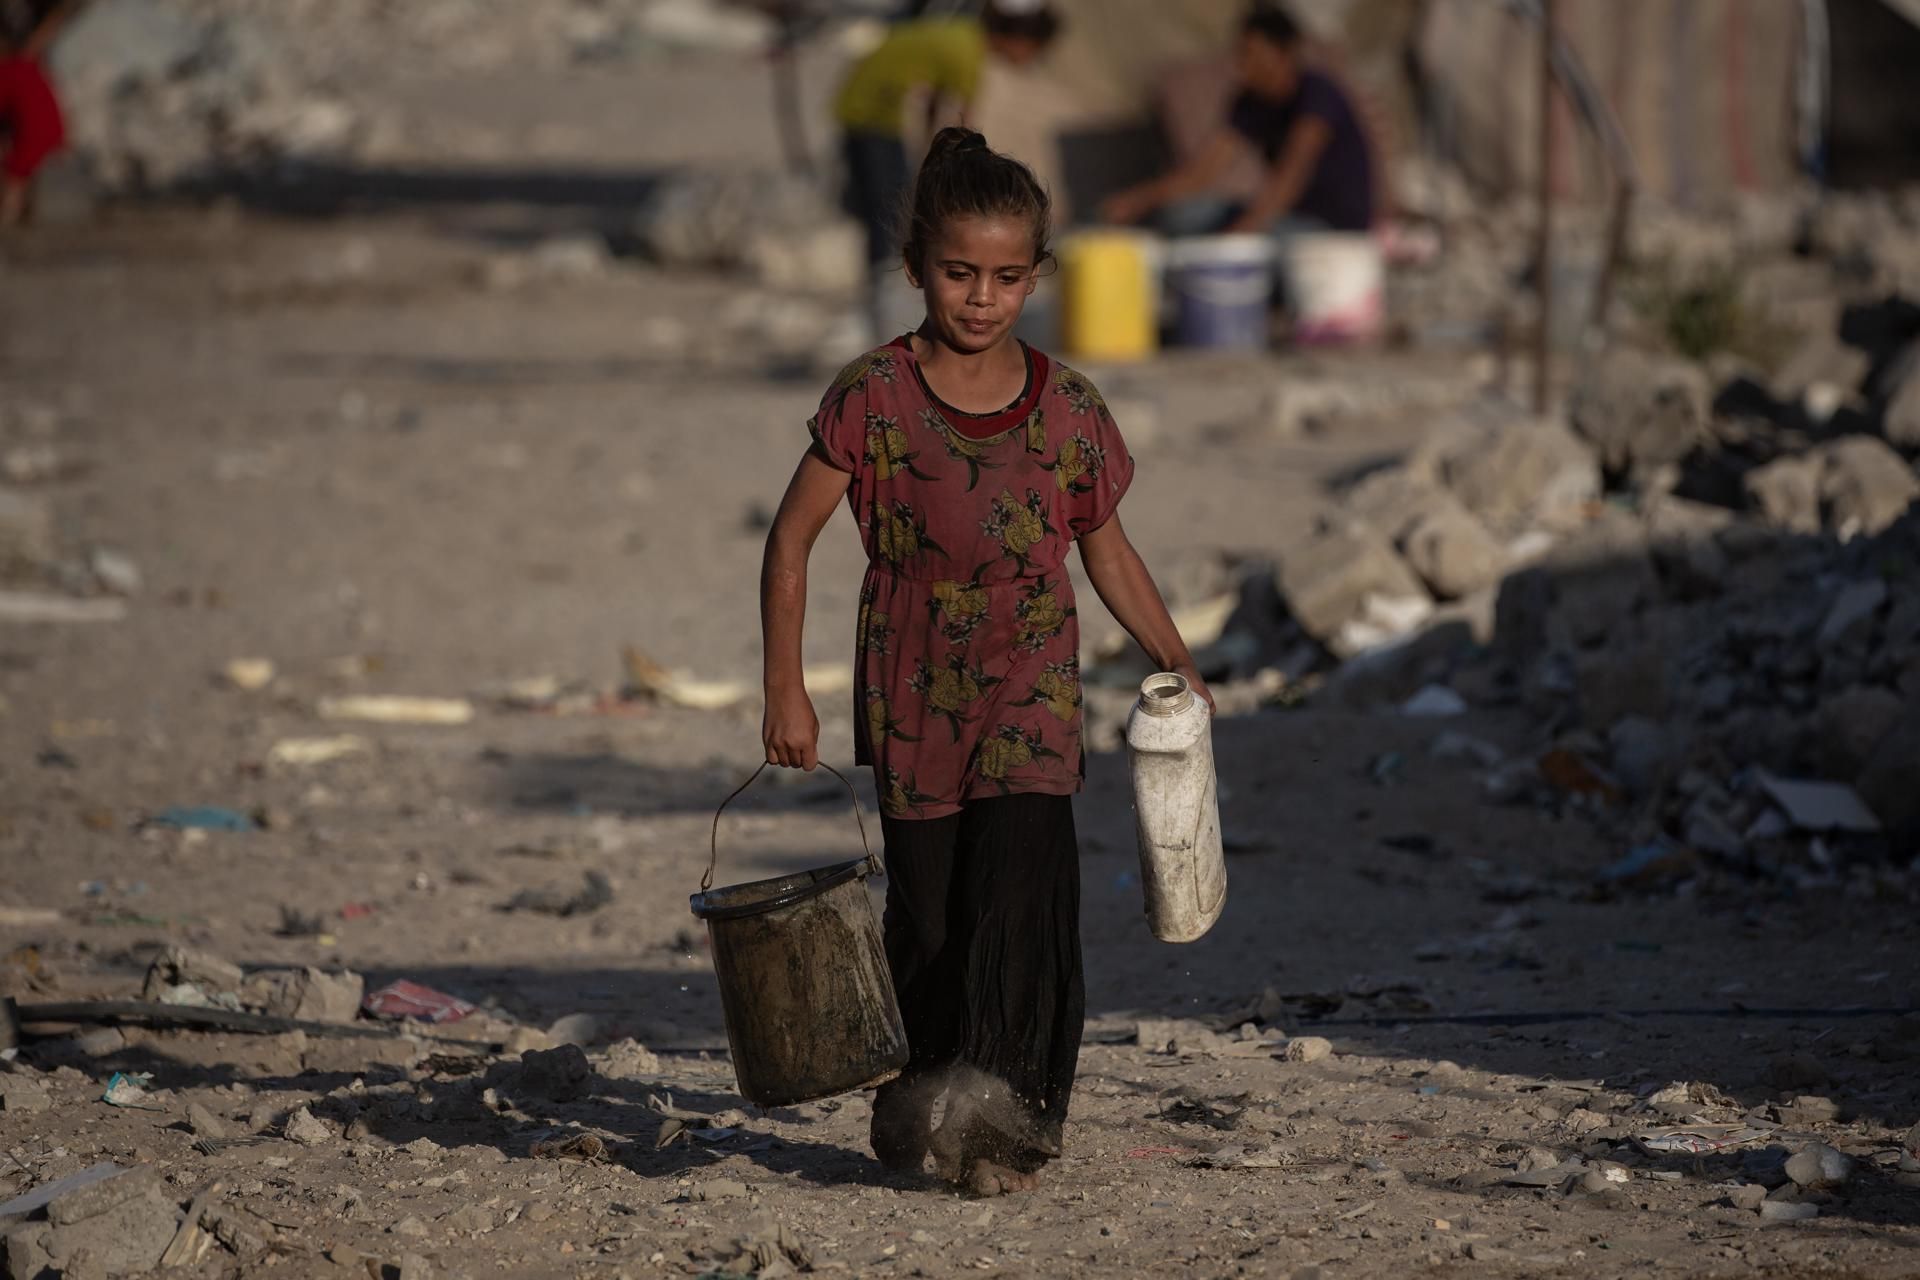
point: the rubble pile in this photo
(161, 92)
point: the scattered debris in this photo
(397, 709)
(1697, 1139)
(129, 1089)
(249, 675)
(595, 894)
(30, 606)
(308, 1129)
(405, 999)
(583, 1147)
(202, 818)
(306, 752)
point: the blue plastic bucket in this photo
(1222, 291)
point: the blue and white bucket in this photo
(1222, 291)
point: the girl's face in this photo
(978, 275)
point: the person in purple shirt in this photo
(1320, 172)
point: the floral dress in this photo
(967, 666)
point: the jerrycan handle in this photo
(873, 863)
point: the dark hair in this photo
(963, 177)
(1273, 24)
(1039, 25)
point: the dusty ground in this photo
(385, 478)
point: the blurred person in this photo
(972, 463)
(941, 57)
(1319, 162)
(29, 108)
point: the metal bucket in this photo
(803, 978)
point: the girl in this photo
(971, 462)
(29, 111)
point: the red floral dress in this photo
(967, 668)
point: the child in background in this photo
(29, 110)
(939, 56)
(972, 463)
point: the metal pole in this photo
(1543, 253)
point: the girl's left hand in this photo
(1188, 672)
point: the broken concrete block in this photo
(1308, 1049)
(1748, 1197)
(1786, 493)
(1864, 486)
(1452, 552)
(1327, 583)
(23, 1252)
(558, 1075)
(20, 1096)
(308, 1129)
(125, 1224)
(1526, 472)
(310, 994)
(204, 1123)
(1640, 411)
(1819, 1166)
(182, 966)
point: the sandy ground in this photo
(388, 479)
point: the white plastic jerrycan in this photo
(1170, 746)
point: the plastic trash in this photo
(1177, 809)
(404, 999)
(203, 818)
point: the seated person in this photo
(1319, 163)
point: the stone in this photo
(1452, 552)
(26, 532)
(580, 1029)
(1527, 472)
(1818, 1167)
(96, 1198)
(582, 256)
(1686, 545)
(1787, 1211)
(1910, 1151)
(1328, 582)
(20, 1096)
(125, 1238)
(561, 1074)
(1886, 783)
(1747, 1197)
(309, 994)
(1864, 486)
(1850, 725)
(829, 258)
(204, 1123)
(115, 571)
(182, 966)
(1786, 493)
(23, 1252)
(1308, 1049)
(1640, 411)
(1850, 618)
(308, 1129)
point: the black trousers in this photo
(983, 937)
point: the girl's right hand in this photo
(791, 731)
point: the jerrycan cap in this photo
(1165, 694)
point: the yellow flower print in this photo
(1058, 689)
(964, 605)
(1080, 394)
(875, 630)
(1017, 526)
(1037, 432)
(899, 534)
(881, 722)
(1041, 616)
(950, 690)
(854, 378)
(1077, 465)
(888, 450)
(902, 797)
(1008, 749)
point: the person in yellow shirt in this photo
(942, 57)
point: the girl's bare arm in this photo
(1120, 577)
(791, 730)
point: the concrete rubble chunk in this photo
(1901, 421)
(1748, 1197)
(1787, 1211)
(98, 1197)
(310, 994)
(1328, 582)
(19, 1096)
(23, 1252)
(204, 1123)
(182, 966)
(1818, 1166)
(126, 1237)
(1639, 411)
(1452, 552)
(308, 1129)
(1308, 1049)
(1864, 486)
(1526, 472)
(1786, 493)
(562, 1074)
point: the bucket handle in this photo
(873, 863)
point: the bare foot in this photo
(989, 1179)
